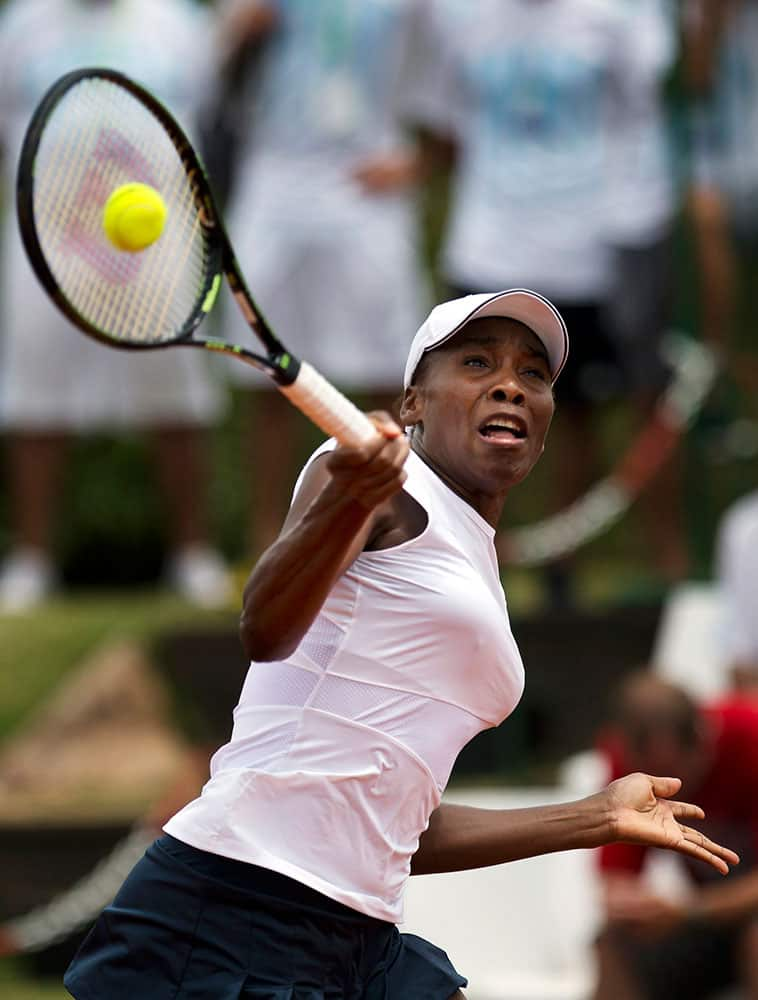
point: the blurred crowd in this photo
(572, 139)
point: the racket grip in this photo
(328, 408)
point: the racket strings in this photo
(180, 249)
(168, 269)
(100, 301)
(176, 192)
(93, 298)
(51, 199)
(69, 194)
(99, 137)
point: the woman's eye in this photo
(475, 362)
(536, 373)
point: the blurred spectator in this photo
(644, 202)
(722, 64)
(722, 70)
(55, 383)
(323, 213)
(562, 183)
(737, 576)
(653, 944)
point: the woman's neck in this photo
(487, 506)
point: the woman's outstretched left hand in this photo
(641, 812)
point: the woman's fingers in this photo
(389, 439)
(699, 840)
(651, 816)
(664, 788)
(697, 845)
(372, 472)
(686, 810)
(381, 484)
(693, 842)
(385, 423)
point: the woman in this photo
(381, 643)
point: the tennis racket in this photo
(93, 131)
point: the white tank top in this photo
(340, 753)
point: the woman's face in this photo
(481, 405)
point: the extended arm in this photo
(328, 525)
(463, 837)
(633, 809)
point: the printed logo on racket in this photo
(84, 237)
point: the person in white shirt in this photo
(54, 383)
(722, 71)
(722, 64)
(644, 201)
(324, 194)
(380, 644)
(552, 111)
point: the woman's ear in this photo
(410, 407)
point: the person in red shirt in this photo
(653, 945)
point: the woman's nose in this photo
(506, 390)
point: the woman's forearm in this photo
(330, 521)
(636, 809)
(293, 578)
(459, 838)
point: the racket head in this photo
(94, 130)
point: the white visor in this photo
(529, 308)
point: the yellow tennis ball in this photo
(134, 217)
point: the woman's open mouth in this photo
(503, 429)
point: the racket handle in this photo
(328, 408)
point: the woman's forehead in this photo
(492, 330)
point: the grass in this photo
(16, 983)
(36, 989)
(38, 649)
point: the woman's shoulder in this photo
(323, 449)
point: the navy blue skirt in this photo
(189, 925)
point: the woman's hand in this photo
(640, 812)
(371, 473)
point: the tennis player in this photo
(380, 642)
